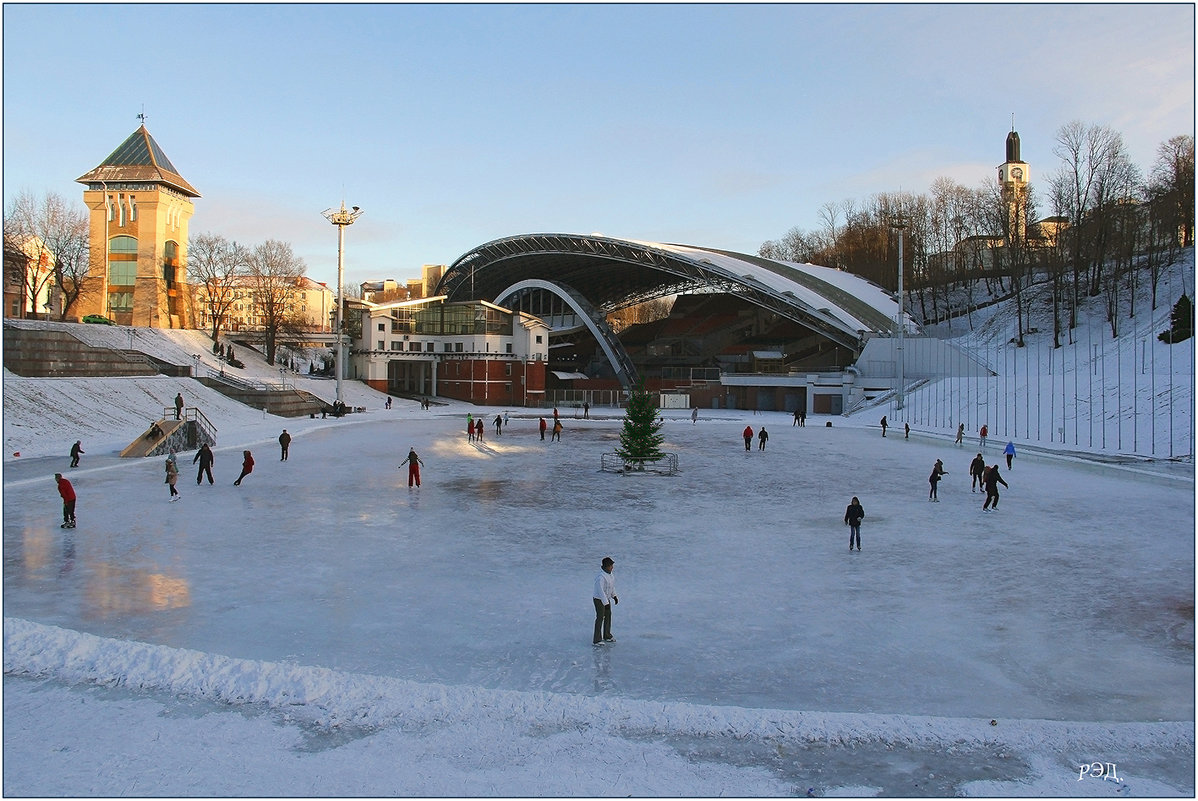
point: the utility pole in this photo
(341, 218)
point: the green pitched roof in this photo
(139, 159)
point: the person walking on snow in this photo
(179, 406)
(906, 431)
(762, 436)
(976, 469)
(204, 457)
(796, 421)
(67, 493)
(542, 425)
(469, 428)
(413, 462)
(76, 450)
(498, 425)
(604, 595)
(852, 518)
(992, 479)
(172, 476)
(694, 415)
(284, 444)
(884, 425)
(960, 434)
(982, 432)
(557, 430)
(1009, 451)
(934, 479)
(247, 467)
(748, 435)
(478, 429)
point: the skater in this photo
(478, 429)
(852, 518)
(469, 428)
(172, 476)
(387, 405)
(68, 501)
(694, 415)
(992, 479)
(204, 457)
(883, 425)
(762, 436)
(802, 418)
(498, 425)
(1009, 452)
(586, 411)
(76, 450)
(179, 406)
(557, 430)
(413, 462)
(906, 431)
(284, 444)
(976, 468)
(247, 467)
(982, 432)
(960, 433)
(796, 420)
(934, 479)
(604, 596)
(748, 435)
(542, 425)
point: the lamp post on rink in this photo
(341, 218)
(899, 223)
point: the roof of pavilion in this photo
(614, 273)
(139, 159)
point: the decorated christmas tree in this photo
(641, 438)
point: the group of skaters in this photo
(475, 427)
(762, 437)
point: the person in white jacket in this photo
(604, 596)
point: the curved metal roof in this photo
(614, 273)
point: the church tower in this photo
(1013, 175)
(140, 207)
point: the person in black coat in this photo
(976, 468)
(992, 479)
(204, 457)
(76, 449)
(934, 479)
(852, 518)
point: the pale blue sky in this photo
(452, 125)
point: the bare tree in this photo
(53, 236)
(274, 273)
(218, 265)
(1172, 179)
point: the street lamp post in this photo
(341, 218)
(899, 223)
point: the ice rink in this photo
(1073, 602)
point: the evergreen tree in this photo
(641, 438)
(1181, 321)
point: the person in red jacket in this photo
(543, 425)
(413, 462)
(68, 501)
(247, 467)
(748, 437)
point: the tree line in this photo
(1109, 226)
(46, 244)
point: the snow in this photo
(325, 630)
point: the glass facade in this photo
(451, 319)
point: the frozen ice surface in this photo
(1072, 604)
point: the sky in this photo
(452, 125)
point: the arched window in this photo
(122, 261)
